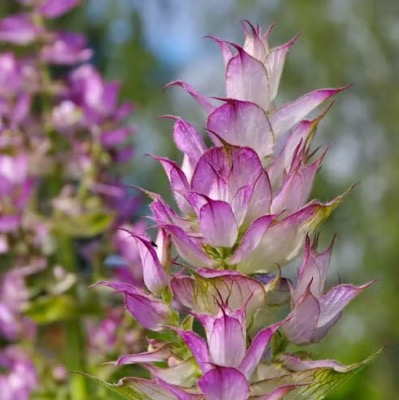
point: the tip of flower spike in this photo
(174, 83)
(201, 100)
(101, 283)
(248, 24)
(315, 243)
(342, 88)
(256, 31)
(168, 116)
(364, 286)
(290, 43)
(94, 285)
(324, 112)
(151, 195)
(268, 31)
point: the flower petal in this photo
(184, 374)
(277, 394)
(296, 364)
(158, 355)
(211, 174)
(251, 239)
(300, 139)
(56, 8)
(66, 48)
(188, 141)
(198, 348)
(285, 117)
(224, 384)
(18, 29)
(164, 214)
(332, 304)
(274, 63)
(246, 79)
(289, 198)
(155, 277)
(203, 101)
(188, 248)
(227, 54)
(234, 175)
(313, 270)
(283, 241)
(255, 43)
(242, 123)
(257, 349)
(209, 288)
(301, 323)
(296, 187)
(180, 393)
(151, 313)
(178, 182)
(261, 198)
(218, 224)
(226, 337)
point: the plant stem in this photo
(74, 359)
(74, 329)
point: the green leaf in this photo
(86, 225)
(133, 388)
(125, 390)
(48, 309)
(313, 384)
(279, 343)
(325, 380)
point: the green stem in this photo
(74, 328)
(74, 359)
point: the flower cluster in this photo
(223, 314)
(62, 131)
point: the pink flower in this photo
(18, 377)
(314, 313)
(244, 210)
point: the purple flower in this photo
(243, 209)
(66, 48)
(249, 203)
(60, 137)
(226, 365)
(56, 8)
(14, 298)
(129, 267)
(150, 311)
(314, 313)
(19, 29)
(18, 377)
(99, 99)
(146, 304)
(204, 293)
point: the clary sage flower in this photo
(244, 213)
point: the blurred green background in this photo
(147, 43)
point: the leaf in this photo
(48, 309)
(325, 380)
(85, 225)
(313, 384)
(134, 388)
(126, 391)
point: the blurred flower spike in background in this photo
(64, 138)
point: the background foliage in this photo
(146, 44)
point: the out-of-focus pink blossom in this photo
(18, 377)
